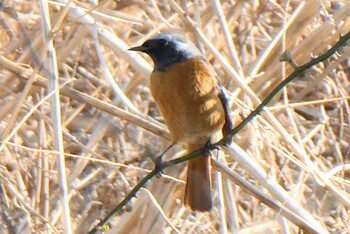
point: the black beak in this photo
(138, 48)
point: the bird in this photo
(187, 92)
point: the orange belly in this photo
(187, 97)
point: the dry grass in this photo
(102, 141)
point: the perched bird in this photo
(185, 88)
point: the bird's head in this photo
(166, 49)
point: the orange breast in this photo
(187, 97)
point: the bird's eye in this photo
(161, 42)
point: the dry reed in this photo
(77, 132)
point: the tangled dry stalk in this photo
(67, 158)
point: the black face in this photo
(163, 53)
(156, 43)
(153, 45)
(166, 49)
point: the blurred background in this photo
(79, 128)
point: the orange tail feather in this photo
(198, 185)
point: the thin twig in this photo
(298, 72)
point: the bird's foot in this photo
(208, 147)
(159, 165)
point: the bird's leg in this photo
(159, 160)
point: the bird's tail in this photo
(198, 185)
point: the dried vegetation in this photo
(102, 139)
